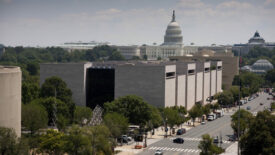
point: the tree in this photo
(82, 115)
(34, 117)
(245, 118)
(156, 119)
(10, 144)
(56, 109)
(235, 92)
(171, 116)
(207, 147)
(132, 107)
(269, 76)
(225, 98)
(33, 68)
(206, 109)
(77, 142)
(53, 142)
(259, 139)
(116, 55)
(56, 86)
(99, 139)
(195, 111)
(116, 123)
(30, 91)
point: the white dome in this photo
(262, 64)
(173, 34)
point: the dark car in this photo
(261, 104)
(178, 140)
(122, 140)
(216, 140)
(181, 131)
(232, 138)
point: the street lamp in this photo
(239, 113)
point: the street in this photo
(219, 127)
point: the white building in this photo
(10, 98)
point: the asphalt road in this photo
(219, 127)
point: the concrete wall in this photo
(191, 86)
(170, 87)
(74, 74)
(199, 86)
(213, 82)
(181, 90)
(191, 91)
(147, 82)
(219, 77)
(10, 98)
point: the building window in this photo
(191, 72)
(170, 74)
(206, 69)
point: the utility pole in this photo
(239, 113)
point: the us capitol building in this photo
(172, 45)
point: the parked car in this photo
(178, 140)
(127, 137)
(216, 140)
(232, 138)
(181, 131)
(261, 104)
(158, 152)
(248, 108)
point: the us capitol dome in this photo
(173, 34)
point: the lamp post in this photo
(239, 113)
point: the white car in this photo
(158, 152)
(126, 137)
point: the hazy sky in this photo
(52, 22)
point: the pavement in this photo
(220, 127)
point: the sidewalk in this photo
(232, 149)
(159, 135)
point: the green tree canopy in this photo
(195, 111)
(34, 117)
(116, 123)
(30, 91)
(56, 106)
(53, 142)
(56, 86)
(82, 115)
(10, 144)
(77, 142)
(132, 107)
(207, 147)
(245, 118)
(225, 98)
(260, 137)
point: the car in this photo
(178, 140)
(232, 138)
(181, 131)
(216, 140)
(203, 123)
(158, 152)
(126, 137)
(248, 108)
(261, 104)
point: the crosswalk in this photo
(199, 139)
(174, 149)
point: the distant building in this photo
(161, 84)
(259, 67)
(71, 46)
(256, 40)
(10, 98)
